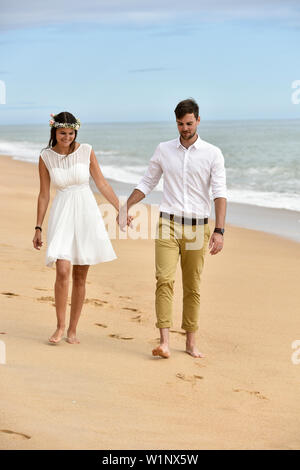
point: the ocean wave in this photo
(286, 197)
(127, 174)
(272, 170)
(289, 201)
(106, 153)
(22, 150)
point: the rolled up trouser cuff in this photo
(163, 324)
(190, 329)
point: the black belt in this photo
(183, 220)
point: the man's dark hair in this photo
(186, 107)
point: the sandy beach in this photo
(109, 392)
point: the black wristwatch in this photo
(219, 230)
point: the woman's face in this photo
(65, 136)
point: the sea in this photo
(262, 157)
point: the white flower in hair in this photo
(53, 123)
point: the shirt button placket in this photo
(186, 155)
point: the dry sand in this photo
(109, 392)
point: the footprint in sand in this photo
(8, 431)
(101, 324)
(199, 365)
(120, 337)
(96, 302)
(252, 392)
(124, 297)
(10, 294)
(46, 299)
(138, 318)
(40, 288)
(189, 378)
(131, 309)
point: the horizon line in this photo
(158, 121)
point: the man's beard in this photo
(188, 136)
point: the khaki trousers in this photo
(190, 242)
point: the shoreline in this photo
(278, 222)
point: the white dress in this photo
(76, 230)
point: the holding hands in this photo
(124, 219)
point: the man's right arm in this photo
(145, 186)
(152, 175)
(135, 197)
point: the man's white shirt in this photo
(189, 176)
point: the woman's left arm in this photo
(101, 183)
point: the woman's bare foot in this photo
(193, 351)
(162, 350)
(57, 336)
(71, 338)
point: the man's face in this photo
(187, 126)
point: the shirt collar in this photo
(196, 144)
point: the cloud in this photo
(16, 14)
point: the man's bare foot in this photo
(57, 336)
(162, 350)
(193, 351)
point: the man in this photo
(191, 167)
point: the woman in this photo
(76, 232)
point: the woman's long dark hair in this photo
(63, 117)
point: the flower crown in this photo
(53, 123)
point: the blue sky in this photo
(115, 60)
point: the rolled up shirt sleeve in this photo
(152, 174)
(218, 176)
